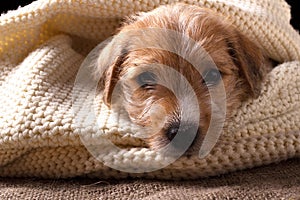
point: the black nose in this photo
(172, 131)
(185, 132)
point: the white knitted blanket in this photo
(42, 47)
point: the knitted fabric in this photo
(42, 46)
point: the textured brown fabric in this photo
(275, 181)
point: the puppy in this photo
(144, 76)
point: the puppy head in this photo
(150, 90)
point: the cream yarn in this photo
(41, 48)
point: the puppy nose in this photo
(172, 131)
(188, 133)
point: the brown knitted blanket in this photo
(41, 49)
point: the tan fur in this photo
(239, 60)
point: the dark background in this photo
(6, 5)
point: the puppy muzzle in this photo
(182, 134)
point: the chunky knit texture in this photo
(42, 47)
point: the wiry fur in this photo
(239, 60)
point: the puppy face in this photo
(150, 86)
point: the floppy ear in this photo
(111, 77)
(111, 55)
(250, 61)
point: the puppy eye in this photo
(147, 80)
(212, 77)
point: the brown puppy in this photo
(150, 89)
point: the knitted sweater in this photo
(42, 46)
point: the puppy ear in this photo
(111, 77)
(250, 60)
